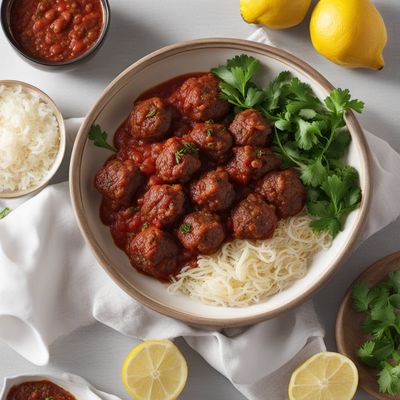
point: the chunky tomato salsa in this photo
(56, 30)
(41, 390)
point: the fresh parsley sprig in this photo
(99, 138)
(236, 81)
(382, 325)
(310, 135)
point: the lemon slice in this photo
(155, 370)
(324, 376)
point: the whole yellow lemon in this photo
(350, 33)
(275, 14)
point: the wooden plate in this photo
(349, 336)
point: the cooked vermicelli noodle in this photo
(244, 272)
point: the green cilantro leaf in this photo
(307, 134)
(340, 101)
(185, 228)
(152, 112)
(394, 281)
(99, 138)
(4, 212)
(237, 86)
(360, 297)
(389, 379)
(366, 354)
(314, 174)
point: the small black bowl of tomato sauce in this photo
(55, 33)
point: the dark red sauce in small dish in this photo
(40, 390)
(56, 30)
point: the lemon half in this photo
(324, 376)
(155, 370)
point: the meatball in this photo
(249, 127)
(201, 232)
(284, 190)
(251, 163)
(198, 98)
(213, 139)
(150, 119)
(178, 161)
(162, 204)
(213, 191)
(253, 219)
(118, 180)
(153, 252)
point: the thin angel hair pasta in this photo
(244, 272)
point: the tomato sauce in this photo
(40, 390)
(56, 30)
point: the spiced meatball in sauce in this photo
(250, 127)
(150, 119)
(178, 161)
(249, 163)
(118, 180)
(153, 252)
(201, 232)
(163, 204)
(212, 139)
(198, 98)
(285, 190)
(253, 218)
(213, 191)
(190, 175)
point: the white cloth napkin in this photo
(50, 284)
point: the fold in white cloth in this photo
(50, 284)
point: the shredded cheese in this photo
(29, 138)
(244, 272)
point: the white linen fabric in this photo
(50, 284)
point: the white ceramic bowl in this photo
(111, 109)
(61, 148)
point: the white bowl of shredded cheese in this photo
(32, 139)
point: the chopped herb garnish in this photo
(259, 153)
(185, 228)
(4, 212)
(210, 132)
(187, 148)
(151, 113)
(310, 135)
(145, 225)
(381, 305)
(49, 398)
(210, 121)
(99, 138)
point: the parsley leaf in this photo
(382, 325)
(360, 296)
(185, 228)
(4, 212)
(237, 87)
(340, 101)
(99, 138)
(152, 112)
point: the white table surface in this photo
(137, 28)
